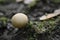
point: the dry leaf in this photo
(44, 17)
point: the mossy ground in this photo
(35, 30)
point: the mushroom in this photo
(19, 20)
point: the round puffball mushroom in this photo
(19, 20)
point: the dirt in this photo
(7, 32)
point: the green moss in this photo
(3, 20)
(44, 26)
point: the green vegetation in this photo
(3, 20)
(45, 26)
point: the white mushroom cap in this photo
(19, 20)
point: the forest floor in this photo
(36, 29)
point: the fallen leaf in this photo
(44, 17)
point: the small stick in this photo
(44, 17)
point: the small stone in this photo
(32, 18)
(28, 1)
(1, 14)
(48, 9)
(10, 27)
(21, 8)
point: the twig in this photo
(44, 17)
